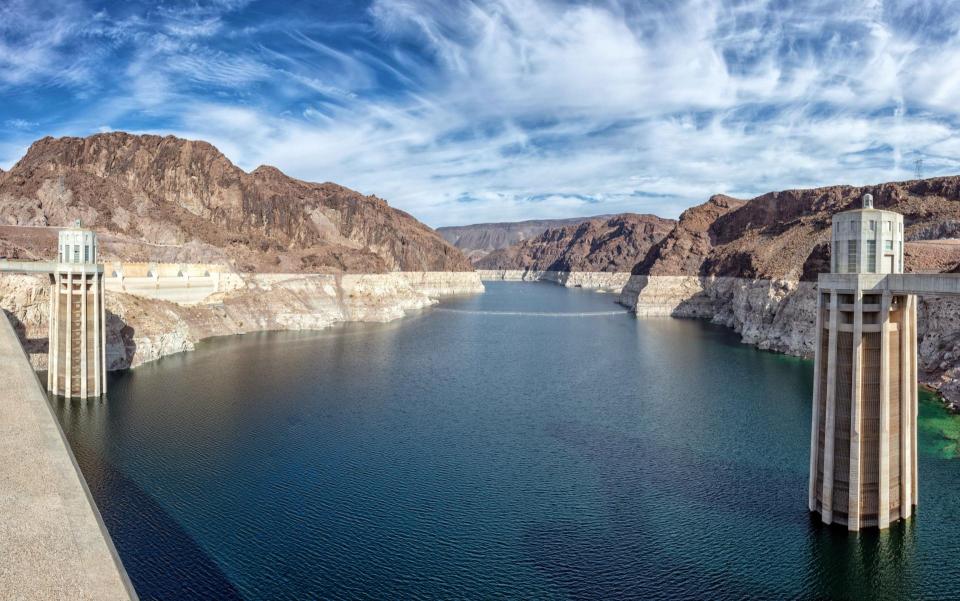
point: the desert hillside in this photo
(786, 234)
(169, 199)
(480, 239)
(612, 244)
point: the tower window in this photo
(872, 256)
(888, 245)
(852, 256)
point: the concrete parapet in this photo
(181, 283)
(52, 541)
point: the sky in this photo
(465, 111)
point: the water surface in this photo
(531, 442)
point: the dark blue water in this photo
(477, 452)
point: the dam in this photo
(52, 540)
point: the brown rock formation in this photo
(480, 239)
(786, 234)
(605, 244)
(165, 198)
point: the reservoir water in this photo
(533, 442)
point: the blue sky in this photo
(486, 110)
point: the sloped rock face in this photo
(157, 192)
(606, 245)
(752, 266)
(785, 235)
(684, 249)
(938, 320)
(480, 239)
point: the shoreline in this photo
(779, 315)
(142, 329)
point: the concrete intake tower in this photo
(863, 448)
(77, 336)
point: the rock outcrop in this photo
(184, 198)
(142, 329)
(752, 266)
(611, 244)
(480, 239)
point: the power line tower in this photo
(919, 168)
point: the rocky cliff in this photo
(150, 193)
(479, 240)
(752, 265)
(144, 329)
(613, 244)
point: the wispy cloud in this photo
(462, 111)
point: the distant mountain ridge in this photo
(185, 200)
(480, 239)
(607, 244)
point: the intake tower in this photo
(77, 335)
(863, 448)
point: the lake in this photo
(533, 442)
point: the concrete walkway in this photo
(53, 544)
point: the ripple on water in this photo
(477, 451)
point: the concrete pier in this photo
(53, 543)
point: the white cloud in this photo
(21, 124)
(510, 109)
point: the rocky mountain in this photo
(786, 234)
(611, 244)
(753, 265)
(480, 239)
(165, 198)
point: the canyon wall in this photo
(611, 244)
(480, 239)
(780, 315)
(142, 329)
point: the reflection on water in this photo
(478, 452)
